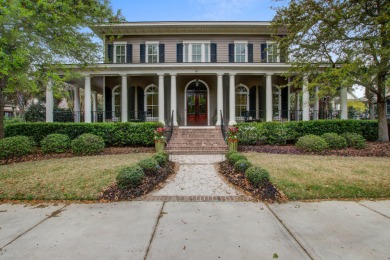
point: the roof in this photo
(184, 27)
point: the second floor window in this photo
(272, 52)
(196, 52)
(152, 53)
(120, 53)
(240, 52)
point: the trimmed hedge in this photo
(242, 165)
(257, 176)
(234, 157)
(280, 133)
(130, 177)
(354, 140)
(113, 134)
(312, 143)
(335, 141)
(15, 146)
(87, 144)
(149, 165)
(161, 158)
(55, 143)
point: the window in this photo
(151, 102)
(196, 52)
(240, 52)
(119, 53)
(151, 52)
(272, 52)
(242, 100)
(116, 103)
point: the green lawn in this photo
(68, 178)
(326, 177)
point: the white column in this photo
(232, 100)
(174, 99)
(124, 101)
(288, 100)
(76, 90)
(135, 102)
(104, 99)
(49, 102)
(87, 100)
(94, 106)
(316, 104)
(161, 98)
(305, 100)
(297, 106)
(343, 103)
(268, 98)
(257, 103)
(219, 98)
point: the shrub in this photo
(228, 154)
(355, 140)
(149, 165)
(87, 144)
(257, 176)
(15, 146)
(334, 140)
(55, 143)
(242, 165)
(247, 135)
(35, 113)
(130, 177)
(234, 157)
(114, 134)
(312, 143)
(161, 158)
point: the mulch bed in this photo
(113, 193)
(268, 192)
(39, 155)
(373, 149)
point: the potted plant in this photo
(232, 138)
(159, 139)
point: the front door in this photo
(197, 104)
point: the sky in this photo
(197, 10)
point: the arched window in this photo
(151, 102)
(242, 100)
(116, 101)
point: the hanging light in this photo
(197, 83)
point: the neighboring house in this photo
(201, 72)
(9, 110)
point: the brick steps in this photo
(197, 141)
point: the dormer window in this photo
(240, 52)
(152, 52)
(119, 52)
(196, 51)
(272, 52)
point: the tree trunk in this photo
(383, 134)
(2, 85)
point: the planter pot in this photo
(159, 146)
(232, 146)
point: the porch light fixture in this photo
(197, 83)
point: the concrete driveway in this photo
(196, 230)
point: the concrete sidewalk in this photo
(196, 230)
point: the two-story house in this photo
(202, 71)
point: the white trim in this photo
(196, 41)
(208, 101)
(245, 42)
(119, 43)
(152, 42)
(146, 104)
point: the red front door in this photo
(197, 109)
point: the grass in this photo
(326, 177)
(77, 178)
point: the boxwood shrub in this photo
(286, 132)
(149, 165)
(161, 158)
(15, 146)
(55, 143)
(130, 177)
(113, 134)
(87, 144)
(354, 140)
(242, 165)
(334, 140)
(257, 176)
(312, 143)
(234, 157)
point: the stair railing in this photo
(169, 127)
(223, 126)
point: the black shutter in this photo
(140, 99)
(129, 53)
(110, 53)
(231, 52)
(161, 53)
(179, 53)
(250, 52)
(213, 52)
(263, 51)
(142, 53)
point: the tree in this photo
(37, 37)
(339, 43)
